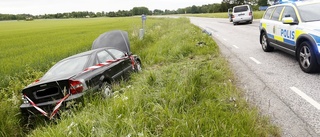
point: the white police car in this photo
(293, 27)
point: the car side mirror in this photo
(288, 20)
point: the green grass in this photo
(185, 89)
(256, 15)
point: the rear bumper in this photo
(243, 19)
(28, 109)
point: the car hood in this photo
(115, 39)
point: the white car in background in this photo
(242, 14)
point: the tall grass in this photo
(185, 89)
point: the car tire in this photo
(265, 43)
(106, 90)
(234, 23)
(307, 59)
(137, 66)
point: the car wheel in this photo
(307, 58)
(106, 90)
(137, 66)
(234, 23)
(265, 43)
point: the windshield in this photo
(310, 12)
(68, 67)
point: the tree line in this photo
(209, 8)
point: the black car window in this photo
(117, 53)
(103, 56)
(240, 9)
(276, 13)
(268, 13)
(289, 12)
(68, 67)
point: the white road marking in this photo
(224, 39)
(255, 60)
(235, 46)
(306, 97)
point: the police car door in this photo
(287, 31)
(277, 25)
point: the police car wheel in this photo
(307, 59)
(265, 44)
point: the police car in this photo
(293, 27)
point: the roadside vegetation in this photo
(185, 89)
(256, 15)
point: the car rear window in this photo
(276, 13)
(268, 13)
(68, 67)
(240, 9)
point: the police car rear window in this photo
(268, 13)
(240, 9)
(276, 13)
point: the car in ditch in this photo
(109, 60)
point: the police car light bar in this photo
(285, 1)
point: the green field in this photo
(185, 89)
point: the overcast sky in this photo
(37, 7)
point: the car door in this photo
(114, 69)
(103, 71)
(125, 62)
(268, 25)
(287, 31)
(276, 26)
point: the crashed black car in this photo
(68, 80)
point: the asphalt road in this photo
(272, 81)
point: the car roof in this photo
(241, 5)
(297, 3)
(86, 53)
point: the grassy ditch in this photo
(186, 89)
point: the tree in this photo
(140, 11)
(157, 12)
(263, 2)
(194, 9)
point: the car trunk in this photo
(44, 92)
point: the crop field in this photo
(185, 89)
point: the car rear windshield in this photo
(310, 12)
(240, 9)
(66, 68)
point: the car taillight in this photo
(75, 87)
(250, 13)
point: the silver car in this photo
(242, 14)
